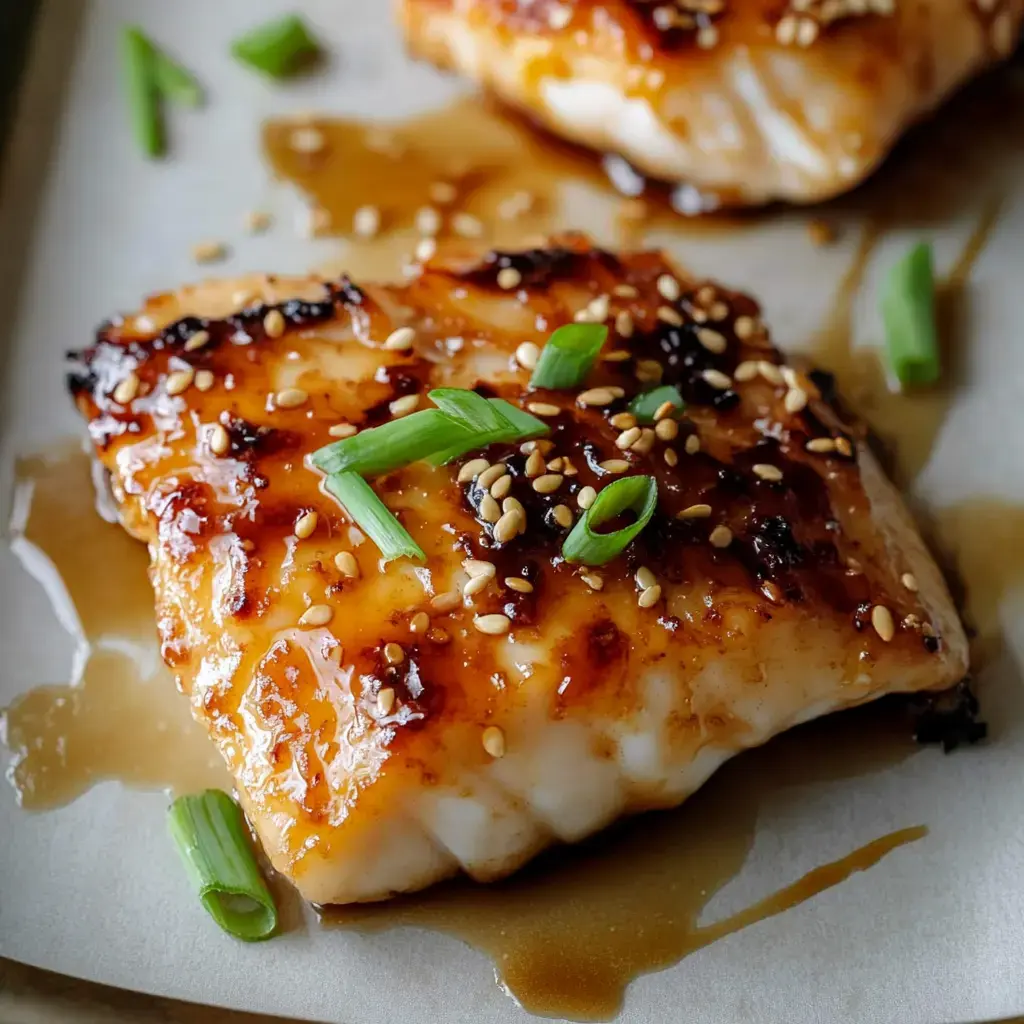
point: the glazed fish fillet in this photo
(741, 101)
(390, 726)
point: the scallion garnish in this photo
(139, 82)
(638, 494)
(210, 834)
(373, 517)
(908, 311)
(514, 425)
(469, 410)
(567, 357)
(644, 406)
(174, 82)
(279, 48)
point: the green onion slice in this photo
(908, 311)
(469, 410)
(138, 58)
(644, 406)
(211, 836)
(278, 48)
(513, 425)
(174, 82)
(567, 357)
(373, 517)
(586, 546)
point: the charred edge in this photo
(949, 717)
(539, 268)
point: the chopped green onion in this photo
(213, 841)
(567, 357)
(279, 48)
(517, 425)
(469, 410)
(644, 406)
(585, 545)
(174, 82)
(373, 517)
(139, 82)
(908, 310)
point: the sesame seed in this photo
(393, 653)
(492, 625)
(821, 445)
(772, 592)
(519, 585)
(442, 192)
(404, 405)
(747, 370)
(622, 420)
(625, 291)
(627, 438)
(598, 308)
(720, 537)
(346, 564)
(844, 447)
(663, 410)
(745, 327)
(493, 738)
(717, 379)
(428, 221)
(692, 445)
(534, 464)
(707, 37)
(465, 225)
(548, 483)
(559, 17)
(204, 380)
(400, 340)
(514, 503)
(613, 466)
(543, 408)
(508, 526)
(644, 578)
(596, 397)
(699, 511)
(209, 252)
(881, 620)
(197, 341)
(586, 497)
(667, 315)
(306, 525)
(718, 311)
(218, 440)
(419, 623)
(385, 701)
(807, 32)
(491, 474)
(593, 580)
(425, 249)
(796, 399)
(766, 471)
(472, 469)
(770, 372)
(509, 278)
(527, 355)
(649, 371)
(127, 389)
(180, 380)
(569, 469)
(671, 457)
(909, 581)
(274, 324)
(445, 602)
(650, 597)
(556, 464)
(490, 511)
(256, 221)
(668, 288)
(563, 516)
(666, 430)
(307, 140)
(501, 487)
(645, 442)
(316, 615)
(624, 325)
(785, 30)
(290, 398)
(617, 355)
(711, 340)
(343, 430)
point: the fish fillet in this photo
(740, 101)
(379, 739)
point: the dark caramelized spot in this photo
(538, 268)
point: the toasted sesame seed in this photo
(568, 468)
(644, 577)
(490, 511)
(442, 192)
(844, 447)
(274, 323)
(586, 497)
(465, 225)
(593, 580)
(649, 597)
(446, 602)
(563, 516)
(306, 525)
(613, 466)
(346, 564)
(543, 408)
(534, 464)
(256, 221)
(711, 340)
(419, 623)
(785, 30)
(707, 37)
(766, 471)
(426, 249)
(518, 584)
(596, 397)
(881, 620)
(548, 483)
(493, 625)
(508, 526)
(645, 442)
(617, 355)
(699, 511)
(772, 592)
(209, 252)
(622, 420)
(668, 288)
(668, 315)
(627, 438)
(556, 464)
(909, 580)
(493, 738)
(717, 379)
(393, 653)
(745, 327)
(807, 32)
(527, 355)
(747, 370)
(501, 487)
(509, 278)
(821, 445)
(598, 308)
(428, 221)
(790, 376)
(180, 380)
(795, 400)
(514, 503)
(666, 430)
(649, 371)
(127, 389)
(343, 430)
(664, 410)
(197, 341)
(625, 291)
(316, 615)
(385, 701)
(770, 372)
(400, 340)
(290, 398)
(204, 380)
(692, 445)
(218, 440)
(624, 325)
(472, 469)
(490, 474)
(720, 537)
(404, 405)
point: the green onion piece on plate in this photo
(139, 82)
(174, 82)
(373, 517)
(644, 406)
(278, 48)
(517, 425)
(211, 836)
(567, 357)
(585, 545)
(908, 311)
(469, 410)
